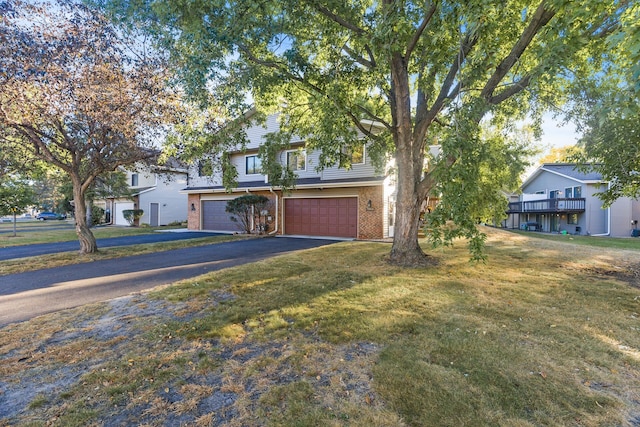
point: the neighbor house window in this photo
(297, 160)
(355, 155)
(134, 180)
(577, 192)
(253, 165)
(572, 218)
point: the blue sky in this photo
(557, 134)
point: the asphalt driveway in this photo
(13, 252)
(29, 294)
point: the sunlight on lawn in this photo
(543, 333)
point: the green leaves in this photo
(15, 196)
(415, 69)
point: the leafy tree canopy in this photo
(607, 109)
(15, 196)
(424, 72)
(78, 94)
(565, 154)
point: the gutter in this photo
(271, 233)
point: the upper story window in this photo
(577, 192)
(205, 167)
(355, 155)
(253, 165)
(573, 192)
(297, 160)
(134, 179)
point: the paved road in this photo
(26, 228)
(13, 252)
(26, 295)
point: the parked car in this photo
(43, 216)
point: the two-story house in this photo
(157, 191)
(559, 197)
(356, 203)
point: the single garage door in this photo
(215, 218)
(119, 216)
(322, 217)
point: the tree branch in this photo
(541, 17)
(445, 93)
(514, 88)
(339, 20)
(419, 31)
(359, 59)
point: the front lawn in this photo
(61, 231)
(544, 333)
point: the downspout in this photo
(608, 220)
(276, 217)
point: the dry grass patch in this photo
(544, 333)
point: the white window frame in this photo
(574, 191)
(348, 151)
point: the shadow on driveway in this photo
(29, 294)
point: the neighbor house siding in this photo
(548, 182)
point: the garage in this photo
(336, 216)
(119, 208)
(214, 217)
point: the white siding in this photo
(256, 133)
(172, 205)
(363, 170)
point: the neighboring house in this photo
(157, 191)
(357, 203)
(558, 197)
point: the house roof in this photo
(567, 170)
(299, 184)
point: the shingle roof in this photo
(571, 170)
(317, 182)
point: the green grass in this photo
(544, 333)
(62, 235)
(599, 241)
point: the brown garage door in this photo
(215, 218)
(322, 217)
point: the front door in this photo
(154, 215)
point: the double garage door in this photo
(336, 216)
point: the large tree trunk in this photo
(87, 240)
(410, 164)
(406, 250)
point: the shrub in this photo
(249, 207)
(132, 215)
(97, 215)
